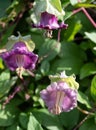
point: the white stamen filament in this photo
(20, 60)
(19, 72)
(48, 33)
(20, 64)
(59, 99)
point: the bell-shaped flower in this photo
(49, 21)
(61, 94)
(59, 97)
(19, 58)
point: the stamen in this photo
(19, 72)
(48, 33)
(56, 110)
(58, 105)
(20, 64)
(20, 60)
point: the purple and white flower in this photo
(49, 21)
(19, 58)
(59, 97)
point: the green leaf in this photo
(1, 64)
(74, 2)
(50, 6)
(85, 23)
(69, 119)
(85, 5)
(82, 98)
(45, 67)
(9, 31)
(6, 82)
(15, 8)
(93, 88)
(12, 5)
(65, 3)
(33, 124)
(68, 15)
(49, 50)
(5, 75)
(3, 7)
(37, 37)
(71, 31)
(14, 127)
(8, 114)
(46, 119)
(88, 125)
(95, 117)
(56, 4)
(23, 119)
(87, 70)
(91, 36)
(72, 58)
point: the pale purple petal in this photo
(69, 101)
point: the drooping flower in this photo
(19, 58)
(61, 94)
(59, 97)
(49, 22)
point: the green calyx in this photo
(26, 39)
(70, 80)
(50, 6)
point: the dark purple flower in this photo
(19, 57)
(59, 97)
(50, 22)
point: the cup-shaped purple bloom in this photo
(59, 97)
(19, 58)
(49, 21)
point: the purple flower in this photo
(49, 22)
(59, 97)
(19, 57)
